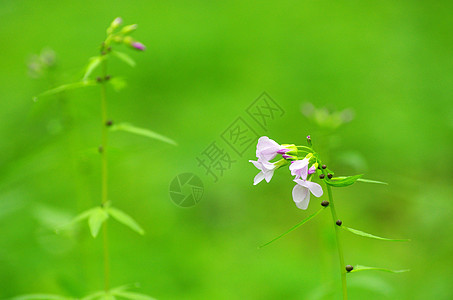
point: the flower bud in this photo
(309, 140)
(329, 175)
(109, 123)
(139, 46)
(322, 176)
(128, 29)
(325, 203)
(349, 268)
(324, 166)
(114, 25)
(339, 222)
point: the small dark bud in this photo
(322, 176)
(107, 77)
(324, 166)
(339, 222)
(329, 175)
(349, 268)
(101, 149)
(98, 79)
(325, 203)
(109, 123)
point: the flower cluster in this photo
(302, 163)
(122, 36)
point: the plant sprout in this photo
(306, 165)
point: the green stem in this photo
(337, 237)
(105, 175)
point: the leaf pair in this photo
(97, 60)
(98, 215)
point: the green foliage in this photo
(361, 180)
(343, 181)
(120, 292)
(359, 268)
(117, 83)
(143, 132)
(66, 87)
(41, 297)
(368, 235)
(92, 65)
(295, 226)
(124, 57)
(127, 220)
(97, 217)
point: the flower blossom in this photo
(267, 149)
(302, 190)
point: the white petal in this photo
(257, 164)
(265, 142)
(300, 194)
(258, 178)
(304, 203)
(267, 165)
(268, 175)
(314, 188)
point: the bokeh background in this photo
(378, 75)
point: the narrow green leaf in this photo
(344, 181)
(361, 233)
(371, 181)
(144, 132)
(294, 227)
(97, 218)
(124, 57)
(82, 216)
(92, 65)
(124, 218)
(64, 87)
(131, 295)
(362, 180)
(358, 268)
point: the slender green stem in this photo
(104, 198)
(340, 249)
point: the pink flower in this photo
(299, 168)
(267, 149)
(302, 190)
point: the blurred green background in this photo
(388, 62)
